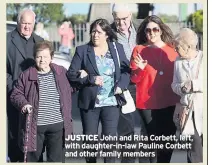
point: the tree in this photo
(12, 11)
(77, 18)
(196, 20)
(168, 18)
(45, 13)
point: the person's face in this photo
(122, 20)
(98, 36)
(26, 24)
(182, 49)
(153, 32)
(43, 59)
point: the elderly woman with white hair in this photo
(188, 83)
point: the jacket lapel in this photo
(91, 57)
(115, 59)
(18, 43)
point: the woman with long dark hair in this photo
(152, 65)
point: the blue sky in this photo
(76, 8)
(172, 8)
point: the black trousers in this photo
(159, 122)
(108, 116)
(52, 134)
(14, 152)
(126, 126)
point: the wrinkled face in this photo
(153, 32)
(122, 20)
(98, 36)
(26, 24)
(182, 49)
(43, 59)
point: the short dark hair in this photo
(104, 24)
(167, 35)
(44, 45)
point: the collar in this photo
(130, 29)
(33, 72)
(33, 35)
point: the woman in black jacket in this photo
(99, 74)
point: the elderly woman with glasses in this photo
(152, 65)
(188, 84)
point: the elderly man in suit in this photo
(20, 46)
(126, 30)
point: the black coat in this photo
(17, 60)
(84, 59)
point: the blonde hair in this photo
(188, 37)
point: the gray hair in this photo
(120, 7)
(188, 37)
(22, 12)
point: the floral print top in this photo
(105, 94)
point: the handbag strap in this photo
(117, 53)
(197, 74)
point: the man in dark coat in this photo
(20, 48)
(126, 30)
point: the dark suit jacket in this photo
(84, 59)
(17, 61)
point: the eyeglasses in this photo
(149, 30)
(121, 19)
(177, 48)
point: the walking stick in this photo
(28, 117)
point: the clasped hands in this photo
(98, 81)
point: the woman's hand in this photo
(139, 62)
(83, 73)
(187, 88)
(98, 80)
(27, 109)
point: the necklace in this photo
(159, 62)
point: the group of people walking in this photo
(158, 68)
